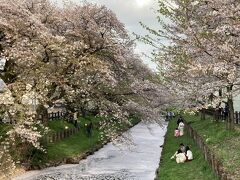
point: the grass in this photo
(54, 125)
(89, 118)
(198, 169)
(80, 143)
(4, 128)
(225, 144)
(74, 145)
(59, 125)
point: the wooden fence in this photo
(56, 115)
(62, 135)
(208, 154)
(59, 135)
(221, 115)
(51, 116)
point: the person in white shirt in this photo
(180, 156)
(181, 149)
(181, 128)
(189, 154)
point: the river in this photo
(137, 160)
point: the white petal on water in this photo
(112, 162)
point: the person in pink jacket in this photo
(176, 132)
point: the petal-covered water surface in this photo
(136, 161)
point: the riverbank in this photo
(198, 169)
(77, 147)
(73, 149)
(224, 144)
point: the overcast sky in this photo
(131, 12)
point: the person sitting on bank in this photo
(181, 128)
(180, 119)
(167, 116)
(181, 148)
(89, 129)
(176, 132)
(189, 154)
(180, 157)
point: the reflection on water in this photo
(135, 161)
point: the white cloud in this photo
(142, 3)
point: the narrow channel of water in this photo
(137, 161)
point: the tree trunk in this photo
(217, 115)
(203, 117)
(83, 112)
(230, 118)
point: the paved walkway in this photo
(124, 162)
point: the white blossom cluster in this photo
(203, 52)
(80, 54)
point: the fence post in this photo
(64, 134)
(67, 133)
(54, 137)
(47, 139)
(217, 115)
(58, 136)
(238, 119)
(61, 135)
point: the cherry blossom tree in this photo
(202, 53)
(80, 54)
